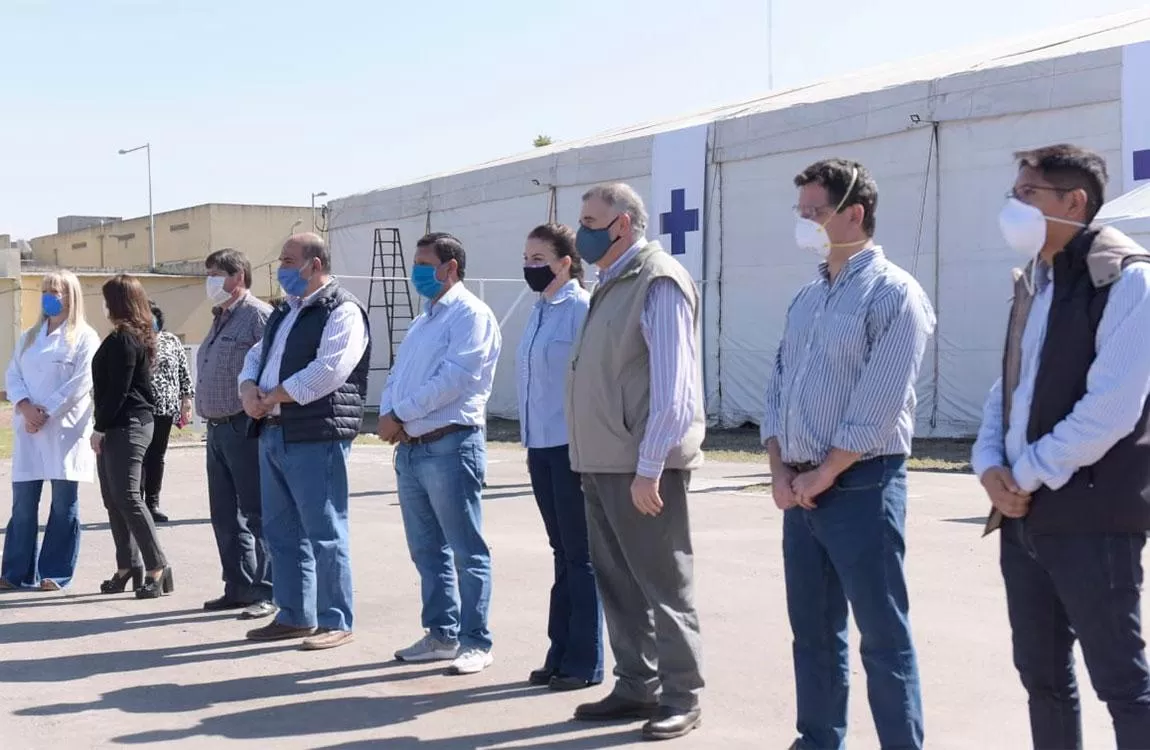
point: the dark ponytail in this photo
(561, 238)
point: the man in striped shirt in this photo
(838, 424)
(635, 429)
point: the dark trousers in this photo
(119, 466)
(153, 477)
(574, 622)
(644, 566)
(233, 467)
(1063, 586)
(850, 549)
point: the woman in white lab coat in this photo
(49, 381)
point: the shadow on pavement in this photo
(83, 666)
(103, 525)
(55, 630)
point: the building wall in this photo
(186, 235)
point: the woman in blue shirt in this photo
(552, 267)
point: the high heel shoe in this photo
(117, 583)
(154, 588)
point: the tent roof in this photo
(1084, 36)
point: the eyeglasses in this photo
(816, 212)
(1026, 193)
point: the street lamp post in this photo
(151, 217)
(313, 197)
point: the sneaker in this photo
(428, 648)
(471, 661)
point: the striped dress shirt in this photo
(668, 325)
(341, 347)
(845, 370)
(1117, 386)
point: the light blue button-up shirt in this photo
(542, 363)
(444, 368)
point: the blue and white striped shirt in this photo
(543, 359)
(445, 366)
(1117, 386)
(845, 370)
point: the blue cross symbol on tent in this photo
(1142, 164)
(678, 221)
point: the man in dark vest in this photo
(306, 383)
(1064, 449)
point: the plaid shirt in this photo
(221, 356)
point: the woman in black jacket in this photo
(124, 403)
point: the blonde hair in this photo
(66, 283)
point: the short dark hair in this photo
(561, 238)
(157, 314)
(447, 247)
(231, 262)
(313, 246)
(1070, 168)
(834, 175)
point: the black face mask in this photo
(538, 277)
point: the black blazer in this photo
(121, 382)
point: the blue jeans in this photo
(850, 549)
(1059, 587)
(440, 488)
(304, 491)
(233, 466)
(57, 559)
(575, 620)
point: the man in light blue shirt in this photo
(434, 406)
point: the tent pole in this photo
(937, 266)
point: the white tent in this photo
(937, 133)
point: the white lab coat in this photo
(57, 377)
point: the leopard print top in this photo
(171, 377)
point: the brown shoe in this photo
(326, 638)
(278, 631)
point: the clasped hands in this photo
(792, 489)
(390, 430)
(257, 403)
(35, 416)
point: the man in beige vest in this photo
(636, 425)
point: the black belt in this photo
(442, 432)
(213, 422)
(271, 421)
(802, 468)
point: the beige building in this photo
(183, 239)
(99, 247)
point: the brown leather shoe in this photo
(278, 631)
(326, 638)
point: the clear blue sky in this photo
(262, 101)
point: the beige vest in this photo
(609, 382)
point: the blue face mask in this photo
(51, 305)
(155, 325)
(424, 281)
(292, 282)
(593, 244)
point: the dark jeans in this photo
(119, 465)
(575, 620)
(233, 467)
(1063, 586)
(153, 476)
(851, 549)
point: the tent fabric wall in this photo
(1019, 98)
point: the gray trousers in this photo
(119, 466)
(644, 567)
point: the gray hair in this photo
(623, 198)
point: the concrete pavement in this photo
(90, 671)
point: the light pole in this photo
(151, 217)
(313, 197)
